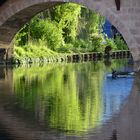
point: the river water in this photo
(65, 101)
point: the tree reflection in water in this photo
(64, 97)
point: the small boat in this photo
(122, 75)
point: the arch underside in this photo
(21, 15)
(16, 21)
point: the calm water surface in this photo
(63, 101)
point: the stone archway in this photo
(15, 13)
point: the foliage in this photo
(89, 23)
(61, 28)
(48, 32)
(120, 43)
(67, 28)
(67, 16)
(110, 42)
(96, 42)
(32, 50)
(21, 37)
(116, 44)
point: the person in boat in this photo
(114, 74)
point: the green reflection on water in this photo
(66, 97)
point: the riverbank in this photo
(73, 57)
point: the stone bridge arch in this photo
(15, 13)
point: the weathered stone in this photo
(135, 31)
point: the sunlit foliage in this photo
(66, 28)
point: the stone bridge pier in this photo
(125, 17)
